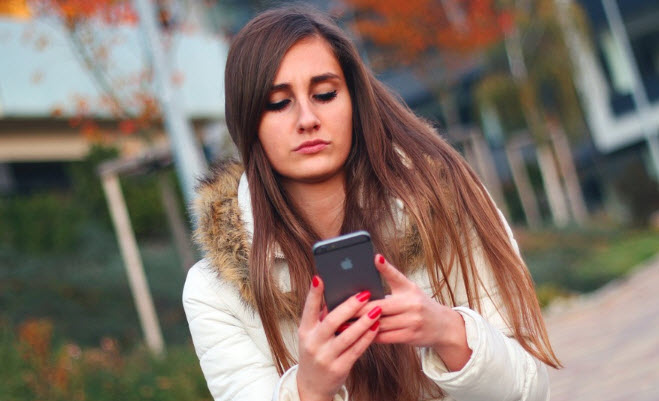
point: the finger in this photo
(311, 312)
(339, 315)
(352, 353)
(355, 330)
(391, 275)
(323, 312)
(400, 321)
(400, 336)
(391, 305)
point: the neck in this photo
(320, 203)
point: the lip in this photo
(313, 146)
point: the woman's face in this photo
(306, 128)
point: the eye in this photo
(277, 106)
(326, 97)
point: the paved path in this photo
(608, 341)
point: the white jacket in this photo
(233, 350)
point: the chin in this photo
(314, 175)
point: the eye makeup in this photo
(280, 105)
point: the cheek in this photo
(268, 137)
(343, 124)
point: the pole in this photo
(188, 158)
(523, 184)
(639, 95)
(570, 177)
(488, 171)
(552, 183)
(146, 311)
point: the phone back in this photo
(346, 266)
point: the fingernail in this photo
(375, 312)
(363, 296)
(342, 327)
(375, 326)
(381, 259)
(315, 281)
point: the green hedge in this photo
(41, 222)
(578, 260)
(54, 221)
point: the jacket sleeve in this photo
(234, 365)
(499, 368)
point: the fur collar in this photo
(221, 231)
(225, 226)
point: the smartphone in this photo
(345, 264)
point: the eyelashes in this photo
(322, 97)
(326, 97)
(277, 106)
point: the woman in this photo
(327, 150)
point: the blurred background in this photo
(110, 108)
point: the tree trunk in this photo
(566, 164)
(523, 185)
(488, 171)
(552, 184)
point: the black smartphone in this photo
(345, 264)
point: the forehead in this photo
(307, 58)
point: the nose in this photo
(308, 121)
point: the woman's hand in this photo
(325, 359)
(410, 316)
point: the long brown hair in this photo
(395, 156)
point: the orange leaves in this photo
(35, 335)
(55, 371)
(414, 26)
(125, 104)
(127, 127)
(15, 8)
(74, 11)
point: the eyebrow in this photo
(314, 80)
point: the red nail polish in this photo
(315, 281)
(363, 296)
(342, 327)
(375, 326)
(375, 312)
(381, 259)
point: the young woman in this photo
(326, 149)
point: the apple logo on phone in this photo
(346, 264)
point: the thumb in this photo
(391, 275)
(311, 312)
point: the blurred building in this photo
(623, 117)
(607, 76)
(50, 100)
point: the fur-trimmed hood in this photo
(221, 231)
(225, 227)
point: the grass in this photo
(573, 260)
(86, 293)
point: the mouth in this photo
(313, 146)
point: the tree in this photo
(416, 26)
(522, 40)
(132, 101)
(91, 28)
(15, 9)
